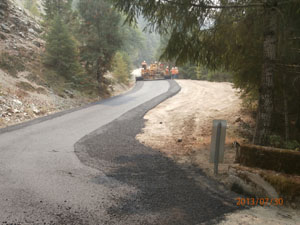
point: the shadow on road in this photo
(166, 193)
(165, 189)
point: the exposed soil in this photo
(22, 99)
(27, 89)
(181, 126)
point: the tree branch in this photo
(205, 6)
(289, 65)
(229, 6)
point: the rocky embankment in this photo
(17, 28)
(19, 40)
(3, 9)
(23, 95)
(25, 90)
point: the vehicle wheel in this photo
(139, 78)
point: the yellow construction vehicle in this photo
(156, 71)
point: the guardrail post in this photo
(217, 143)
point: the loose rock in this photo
(35, 109)
(5, 28)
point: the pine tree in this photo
(61, 51)
(193, 39)
(100, 37)
(52, 8)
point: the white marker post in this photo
(217, 143)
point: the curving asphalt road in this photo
(40, 176)
(112, 179)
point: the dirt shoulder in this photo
(181, 126)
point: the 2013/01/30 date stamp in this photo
(259, 201)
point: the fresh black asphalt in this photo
(166, 192)
(42, 181)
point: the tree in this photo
(31, 5)
(133, 43)
(100, 38)
(52, 8)
(188, 20)
(120, 68)
(61, 50)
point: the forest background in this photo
(228, 46)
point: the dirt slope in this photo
(27, 88)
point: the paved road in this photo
(86, 167)
(40, 176)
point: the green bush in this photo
(194, 72)
(31, 5)
(275, 141)
(294, 145)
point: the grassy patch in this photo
(57, 83)
(86, 86)
(269, 158)
(25, 86)
(41, 90)
(21, 93)
(36, 79)
(11, 64)
(288, 186)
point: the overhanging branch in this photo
(229, 6)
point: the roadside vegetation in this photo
(256, 45)
(32, 6)
(60, 54)
(253, 45)
(84, 41)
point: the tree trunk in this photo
(297, 79)
(100, 76)
(102, 82)
(286, 111)
(298, 115)
(265, 104)
(298, 119)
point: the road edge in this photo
(113, 147)
(18, 126)
(137, 112)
